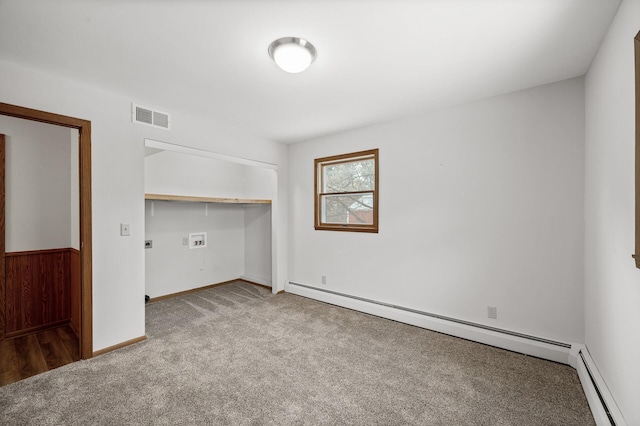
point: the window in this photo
(346, 189)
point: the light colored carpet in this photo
(238, 355)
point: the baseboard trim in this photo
(195, 290)
(75, 329)
(256, 280)
(518, 342)
(603, 407)
(192, 290)
(119, 346)
(36, 329)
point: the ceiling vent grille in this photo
(150, 117)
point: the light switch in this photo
(125, 229)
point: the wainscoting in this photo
(42, 290)
(74, 277)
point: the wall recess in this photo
(197, 240)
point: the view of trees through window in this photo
(347, 190)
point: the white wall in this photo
(118, 183)
(182, 174)
(260, 221)
(612, 289)
(172, 267)
(176, 173)
(38, 185)
(75, 188)
(480, 204)
(257, 243)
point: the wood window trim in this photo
(636, 40)
(346, 158)
(84, 145)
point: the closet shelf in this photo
(191, 199)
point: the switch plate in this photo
(324, 279)
(148, 244)
(125, 230)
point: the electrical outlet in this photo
(125, 230)
(324, 279)
(492, 312)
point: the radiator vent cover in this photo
(150, 117)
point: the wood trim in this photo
(346, 158)
(86, 244)
(193, 199)
(32, 252)
(636, 45)
(2, 241)
(74, 329)
(36, 329)
(347, 193)
(254, 283)
(75, 306)
(41, 116)
(84, 140)
(119, 346)
(195, 290)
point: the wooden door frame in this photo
(84, 129)
(3, 287)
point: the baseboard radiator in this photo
(601, 402)
(541, 347)
(603, 406)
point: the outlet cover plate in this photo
(197, 240)
(492, 312)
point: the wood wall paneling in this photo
(38, 290)
(74, 270)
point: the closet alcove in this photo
(198, 192)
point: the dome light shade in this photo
(292, 54)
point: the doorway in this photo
(83, 259)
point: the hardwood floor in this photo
(26, 356)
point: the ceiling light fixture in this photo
(292, 54)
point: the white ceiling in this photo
(377, 59)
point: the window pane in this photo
(349, 177)
(355, 209)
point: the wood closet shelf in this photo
(191, 199)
